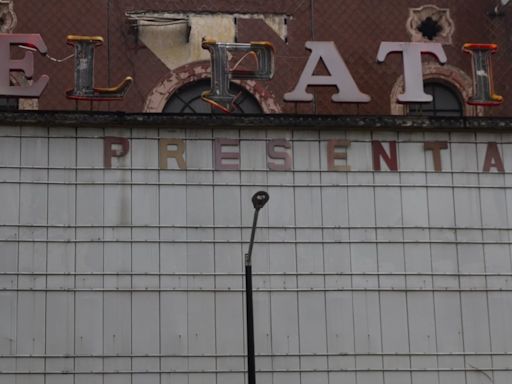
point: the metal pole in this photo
(259, 199)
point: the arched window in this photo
(446, 102)
(187, 99)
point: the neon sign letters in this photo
(263, 55)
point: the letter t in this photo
(413, 74)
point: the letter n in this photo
(379, 153)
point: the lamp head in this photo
(259, 199)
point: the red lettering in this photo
(109, 151)
(435, 147)
(380, 153)
(333, 155)
(283, 156)
(493, 158)
(221, 156)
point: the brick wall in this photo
(356, 27)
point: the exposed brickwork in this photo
(357, 28)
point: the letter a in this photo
(348, 92)
(493, 158)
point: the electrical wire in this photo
(51, 58)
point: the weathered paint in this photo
(135, 272)
(177, 44)
(229, 150)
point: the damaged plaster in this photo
(175, 38)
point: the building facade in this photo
(158, 43)
(384, 253)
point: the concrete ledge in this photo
(140, 120)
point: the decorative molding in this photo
(440, 16)
(8, 19)
(160, 94)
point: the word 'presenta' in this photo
(172, 154)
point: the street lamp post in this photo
(259, 199)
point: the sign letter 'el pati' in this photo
(483, 85)
(84, 73)
(339, 75)
(26, 65)
(413, 73)
(219, 95)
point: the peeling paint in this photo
(277, 22)
(171, 42)
(158, 97)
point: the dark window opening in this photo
(9, 104)
(187, 99)
(446, 102)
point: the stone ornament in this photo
(429, 23)
(8, 18)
